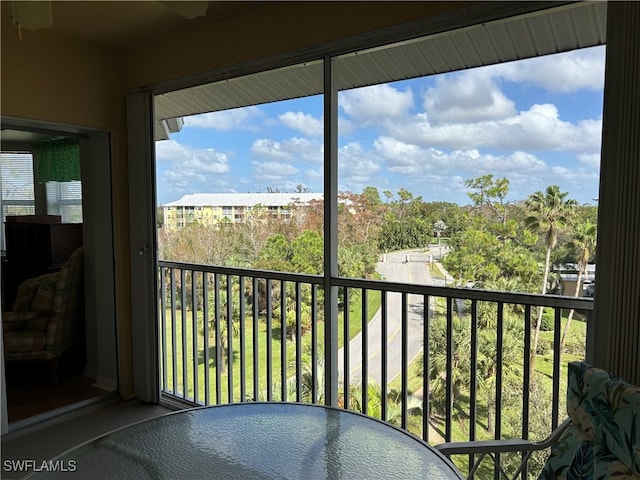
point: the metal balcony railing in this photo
(444, 363)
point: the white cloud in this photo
(466, 98)
(538, 128)
(560, 73)
(294, 149)
(273, 170)
(303, 122)
(239, 118)
(354, 161)
(590, 159)
(188, 170)
(185, 159)
(408, 159)
(266, 147)
(376, 103)
(402, 157)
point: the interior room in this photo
(42, 213)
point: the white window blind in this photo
(16, 179)
(18, 193)
(65, 198)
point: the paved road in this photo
(394, 268)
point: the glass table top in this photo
(255, 441)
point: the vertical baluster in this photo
(174, 333)
(269, 342)
(241, 326)
(473, 381)
(346, 370)
(163, 327)
(283, 340)
(183, 323)
(219, 345)
(365, 352)
(383, 349)
(194, 333)
(298, 344)
(526, 381)
(499, 357)
(499, 370)
(256, 331)
(405, 358)
(425, 367)
(230, 396)
(449, 376)
(556, 368)
(314, 344)
(205, 334)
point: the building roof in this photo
(243, 199)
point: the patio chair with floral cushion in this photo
(599, 441)
(47, 319)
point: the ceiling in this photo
(127, 24)
(553, 30)
(124, 24)
(12, 139)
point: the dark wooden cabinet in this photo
(35, 248)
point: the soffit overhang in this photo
(552, 30)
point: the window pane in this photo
(241, 183)
(65, 199)
(16, 179)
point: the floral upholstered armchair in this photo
(599, 441)
(47, 318)
(603, 440)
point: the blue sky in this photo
(536, 122)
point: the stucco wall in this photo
(53, 79)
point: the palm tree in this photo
(584, 243)
(438, 359)
(487, 363)
(549, 212)
(374, 402)
(219, 323)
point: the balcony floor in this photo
(46, 440)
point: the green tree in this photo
(403, 223)
(307, 253)
(488, 361)
(358, 230)
(438, 359)
(490, 194)
(219, 319)
(548, 213)
(276, 254)
(374, 402)
(372, 196)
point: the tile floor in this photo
(55, 436)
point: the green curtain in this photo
(58, 160)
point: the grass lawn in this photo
(185, 362)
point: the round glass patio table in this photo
(256, 441)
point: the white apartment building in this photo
(214, 208)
